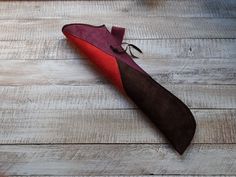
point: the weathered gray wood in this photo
(105, 126)
(117, 159)
(150, 175)
(107, 97)
(82, 72)
(152, 49)
(150, 28)
(76, 9)
(58, 109)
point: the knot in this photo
(128, 47)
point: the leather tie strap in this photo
(118, 33)
(127, 48)
(170, 115)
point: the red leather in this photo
(106, 63)
(165, 110)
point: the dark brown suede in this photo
(168, 113)
(165, 110)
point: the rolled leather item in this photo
(103, 48)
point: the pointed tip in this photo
(64, 28)
(181, 146)
(181, 150)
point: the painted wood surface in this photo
(107, 97)
(117, 159)
(63, 126)
(132, 176)
(82, 72)
(152, 49)
(172, 27)
(73, 9)
(60, 117)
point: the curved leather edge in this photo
(161, 106)
(169, 114)
(101, 38)
(104, 62)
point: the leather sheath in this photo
(170, 115)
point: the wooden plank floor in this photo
(59, 117)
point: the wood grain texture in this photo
(82, 72)
(64, 126)
(152, 175)
(107, 97)
(150, 28)
(152, 49)
(59, 117)
(75, 9)
(117, 159)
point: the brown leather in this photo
(168, 113)
(118, 33)
(100, 37)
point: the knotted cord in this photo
(127, 48)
